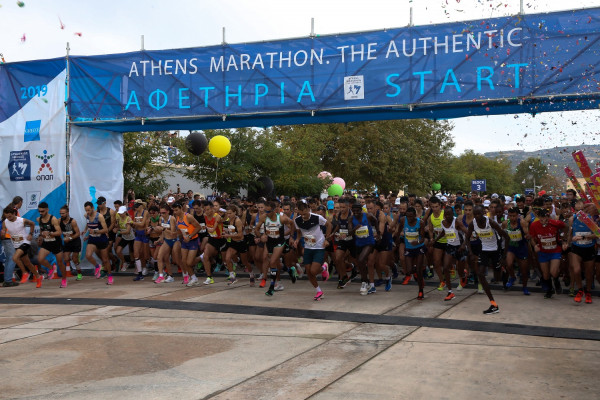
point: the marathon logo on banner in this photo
(33, 199)
(32, 131)
(354, 87)
(19, 166)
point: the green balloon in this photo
(335, 190)
(436, 186)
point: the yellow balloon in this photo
(219, 146)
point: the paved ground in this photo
(138, 340)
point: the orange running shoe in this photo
(263, 282)
(578, 296)
(588, 298)
(406, 280)
(420, 296)
(25, 277)
(450, 296)
(39, 281)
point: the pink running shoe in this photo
(160, 279)
(109, 280)
(186, 280)
(318, 296)
(325, 273)
(63, 283)
(97, 272)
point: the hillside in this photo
(556, 158)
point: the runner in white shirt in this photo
(309, 227)
(15, 227)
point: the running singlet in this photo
(17, 232)
(122, 223)
(185, 227)
(580, 229)
(210, 223)
(486, 235)
(47, 227)
(274, 229)
(452, 236)
(342, 233)
(93, 226)
(412, 233)
(474, 238)
(516, 234)
(364, 234)
(436, 222)
(311, 231)
(547, 236)
(201, 221)
(66, 227)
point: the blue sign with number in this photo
(529, 191)
(478, 185)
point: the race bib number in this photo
(310, 241)
(16, 239)
(515, 236)
(165, 225)
(231, 229)
(450, 235)
(585, 241)
(68, 233)
(202, 228)
(49, 239)
(273, 233)
(488, 234)
(94, 233)
(438, 230)
(411, 236)
(548, 243)
(362, 232)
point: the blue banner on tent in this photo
(550, 56)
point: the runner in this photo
(71, 240)
(383, 246)
(124, 229)
(344, 242)
(545, 239)
(364, 241)
(414, 245)
(215, 243)
(484, 227)
(237, 245)
(49, 241)
(168, 230)
(140, 244)
(582, 253)
(434, 224)
(97, 241)
(309, 227)
(109, 218)
(188, 239)
(517, 249)
(21, 239)
(274, 240)
(153, 231)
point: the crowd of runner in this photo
(535, 240)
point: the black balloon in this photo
(196, 143)
(264, 188)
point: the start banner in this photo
(551, 56)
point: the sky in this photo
(33, 31)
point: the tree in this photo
(529, 171)
(145, 160)
(461, 170)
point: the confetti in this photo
(78, 34)
(21, 4)
(62, 26)
(23, 38)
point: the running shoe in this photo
(260, 277)
(279, 287)
(251, 281)
(139, 278)
(363, 288)
(492, 310)
(429, 274)
(479, 288)
(103, 273)
(160, 279)
(186, 280)
(579, 296)
(169, 279)
(345, 281)
(453, 273)
(526, 291)
(263, 282)
(270, 292)
(25, 277)
(450, 296)
(155, 276)
(463, 283)
(79, 276)
(10, 284)
(318, 296)
(588, 298)
(39, 281)
(406, 280)
(420, 296)
(209, 281)
(63, 283)
(549, 293)
(372, 290)
(388, 285)
(572, 292)
(51, 273)
(354, 273)
(395, 271)
(378, 282)
(144, 271)
(97, 272)
(231, 280)
(193, 282)
(510, 282)
(325, 273)
(124, 267)
(442, 286)
(110, 280)
(293, 274)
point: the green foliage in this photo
(529, 170)
(144, 162)
(460, 171)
